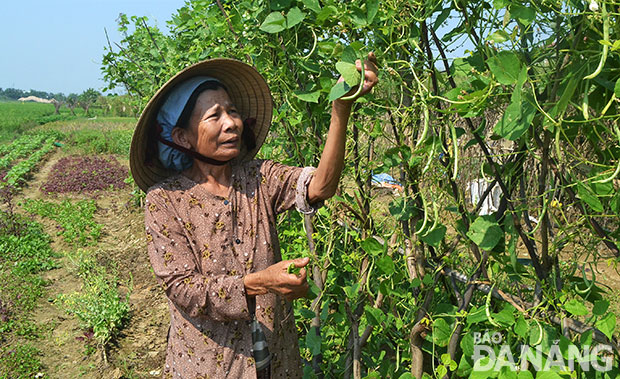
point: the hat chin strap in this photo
(247, 136)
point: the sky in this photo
(57, 46)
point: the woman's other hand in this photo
(371, 77)
(277, 279)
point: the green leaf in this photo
(351, 291)
(311, 66)
(313, 5)
(435, 236)
(524, 15)
(338, 90)
(294, 17)
(358, 17)
(372, 246)
(586, 195)
(372, 7)
(485, 232)
(576, 307)
(607, 325)
(521, 327)
(617, 89)
(306, 313)
(326, 13)
(499, 4)
(349, 73)
(350, 55)
(401, 208)
(313, 290)
(548, 375)
(476, 315)
(512, 125)
(441, 332)
(507, 373)
(278, 5)
(505, 316)
(313, 341)
(600, 307)
(505, 66)
(525, 375)
(274, 23)
(614, 204)
(567, 89)
(386, 265)
(375, 316)
(499, 36)
(310, 97)
(441, 18)
(428, 280)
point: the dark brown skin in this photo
(215, 123)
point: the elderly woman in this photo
(211, 219)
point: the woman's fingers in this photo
(301, 262)
(370, 72)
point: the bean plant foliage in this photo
(519, 98)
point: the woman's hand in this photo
(370, 78)
(278, 280)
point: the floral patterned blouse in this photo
(201, 246)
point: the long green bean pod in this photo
(424, 206)
(430, 157)
(313, 46)
(435, 218)
(487, 308)
(585, 107)
(601, 63)
(455, 167)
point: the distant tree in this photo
(58, 99)
(88, 98)
(72, 102)
(14, 93)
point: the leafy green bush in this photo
(99, 306)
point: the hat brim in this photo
(247, 89)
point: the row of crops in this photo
(98, 304)
(19, 158)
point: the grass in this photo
(17, 117)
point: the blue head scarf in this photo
(168, 117)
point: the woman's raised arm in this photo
(325, 181)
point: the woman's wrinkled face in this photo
(215, 126)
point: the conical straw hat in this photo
(247, 90)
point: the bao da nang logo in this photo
(492, 354)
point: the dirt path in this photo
(140, 349)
